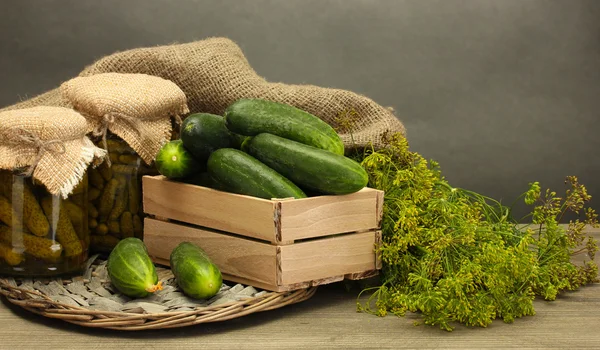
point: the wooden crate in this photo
(278, 244)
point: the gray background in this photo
(500, 92)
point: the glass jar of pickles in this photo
(115, 196)
(41, 234)
(130, 116)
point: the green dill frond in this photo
(454, 255)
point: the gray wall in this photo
(500, 92)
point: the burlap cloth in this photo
(214, 72)
(136, 107)
(50, 144)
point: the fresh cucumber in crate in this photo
(251, 117)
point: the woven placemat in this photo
(91, 300)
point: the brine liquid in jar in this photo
(115, 196)
(41, 234)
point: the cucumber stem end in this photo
(155, 287)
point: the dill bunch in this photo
(454, 255)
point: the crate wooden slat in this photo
(209, 208)
(233, 255)
(272, 267)
(277, 220)
(278, 245)
(327, 257)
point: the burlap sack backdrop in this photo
(214, 72)
(136, 107)
(50, 144)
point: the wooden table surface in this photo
(326, 321)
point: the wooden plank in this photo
(245, 215)
(160, 261)
(361, 275)
(327, 257)
(327, 215)
(232, 278)
(327, 321)
(234, 256)
(256, 284)
(570, 322)
(327, 280)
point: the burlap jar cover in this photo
(214, 72)
(138, 110)
(136, 107)
(50, 144)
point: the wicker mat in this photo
(90, 300)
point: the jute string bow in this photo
(108, 120)
(22, 136)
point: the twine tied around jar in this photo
(49, 144)
(22, 135)
(109, 119)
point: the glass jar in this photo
(115, 196)
(41, 234)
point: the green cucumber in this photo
(198, 179)
(203, 133)
(175, 161)
(130, 269)
(238, 172)
(205, 180)
(244, 145)
(251, 117)
(238, 140)
(311, 168)
(196, 275)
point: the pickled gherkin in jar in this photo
(41, 234)
(39, 247)
(45, 154)
(115, 196)
(19, 195)
(10, 255)
(62, 228)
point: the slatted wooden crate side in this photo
(268, 266)
(328, 258)
(327, 215)
(245, 215)
(235, 256)
(280, 221)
